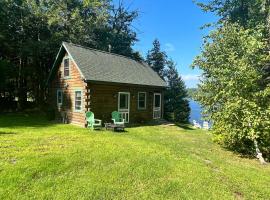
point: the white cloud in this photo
(191, 77)
(169, 47)
(191, 80)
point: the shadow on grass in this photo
(151, 123)
(162, 122)
(7, 133)
(185, 126)
(24, 120)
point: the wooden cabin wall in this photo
(68, 86)
(104, 100)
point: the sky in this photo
(176, 24)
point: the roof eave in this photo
(120, 83)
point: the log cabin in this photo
(84, 79)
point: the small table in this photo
(114, 127)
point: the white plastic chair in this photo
(196, 125)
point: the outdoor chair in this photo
(92, 122)
(118, 122)
(117, 118)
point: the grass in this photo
(42, 160)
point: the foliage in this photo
(232, 61)
(157, 59)
(248, 14)
(7, 74)
(245, 12)
(176, 102)
(192, 92)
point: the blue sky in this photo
(176, 23)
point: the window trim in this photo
(66, 77)
(76, 110)
(57, 96)
(145, 101)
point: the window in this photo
(123, 101)
(141, 100)
(157, 100)
(66, 67)
(59, 97)
(78, 100)
(123, 105)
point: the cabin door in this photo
(124, 105)
(157, 106)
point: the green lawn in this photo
(42, 160)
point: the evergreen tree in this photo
(157, 59)
(118, 32)
(176, 102)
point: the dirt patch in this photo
(238, 195)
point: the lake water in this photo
(195, 113)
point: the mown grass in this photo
(42, 160)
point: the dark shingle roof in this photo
(102, 66)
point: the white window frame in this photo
(124, 111)
(142, 108)
(57, 97)
(66, 57)
(78, 110)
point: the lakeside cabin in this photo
(84, 79)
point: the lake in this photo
(195, 113)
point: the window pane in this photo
(66, 67)
(59, 97)
(78, 95)
(157, 100)
(142, 103)
(78, 100)
(123, 101)
(141, 96)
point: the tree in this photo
(176, 102)
(118, 33)
(248, 14)
(157, 59)
(231, 93)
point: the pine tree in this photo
(176, 104)
(157, 59)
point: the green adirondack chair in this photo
(91, 121)
(117, 119)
